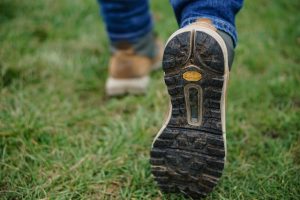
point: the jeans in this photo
(130, 20)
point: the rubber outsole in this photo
(117, 87)
(189, 153)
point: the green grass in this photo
(61, 138)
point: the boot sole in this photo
(117, 87)
(188, 154)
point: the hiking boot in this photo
(188, 153)
(129, 71)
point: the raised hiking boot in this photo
(129, 71)
(188, 153)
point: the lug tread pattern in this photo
(185, 158)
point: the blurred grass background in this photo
(61, 138)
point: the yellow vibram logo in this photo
(192, 76)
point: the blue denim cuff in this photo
(132, 37)
(217, 22)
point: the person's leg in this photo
(189, 152)
(126, 20)
(220, 12)
(132, 44)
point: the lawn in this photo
(61, 138)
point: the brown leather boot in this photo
(129, 72)
(189, 151)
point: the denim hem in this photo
(217, 22)
(131, 37)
